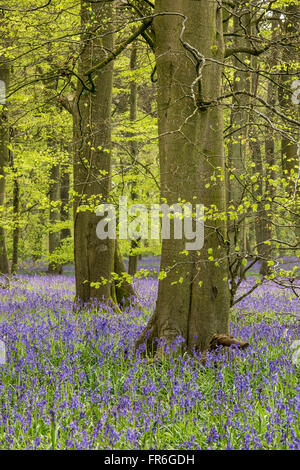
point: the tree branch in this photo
(148, 39)
(146, 34)
(230, 4)
(149, 3)
(119, 49)
(246, 50)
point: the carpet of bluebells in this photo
(71, 379)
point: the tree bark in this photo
(4, 77)
(124, 291)
(290, 153)
(193, 298)
(54, 267)
(262, 224)
(120, 291)
(133, 258)
(16, 216)
(237, 146)
(64, 198)
(94, 258)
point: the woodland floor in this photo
(71, 380)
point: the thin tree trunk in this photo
(266, 227)
(54, 266)
(38, 236)
(4, 77)
(133, 258)
(237, 147)
(123, 289)
(262, 225)
(16, 215)
(64, 198)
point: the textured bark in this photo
(197, 307)
(133, 259)
(94, 258)
(237, 146)
(54, 216)
(50, 86)
(262, 225)
(64, 198)
(4, 76)
(266, 218)
(289, 148)
(16, 229)
(124, 291)
(262, 222)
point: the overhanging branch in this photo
(245, 50)
(119, 49)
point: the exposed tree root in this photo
(149, 337)
(227, 341)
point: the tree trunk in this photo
(64, 198)
(290, 153)
(193, 298)
(16, 216)
(133, 257)
(4, 77)
(262, 223)
(266, 219)
(124, 291)
(54, 267)
(237, 147)
(263, 219)
(94, 258)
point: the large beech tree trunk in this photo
(193, 298)
(289, 148)
(91, 112)
(94, 258)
